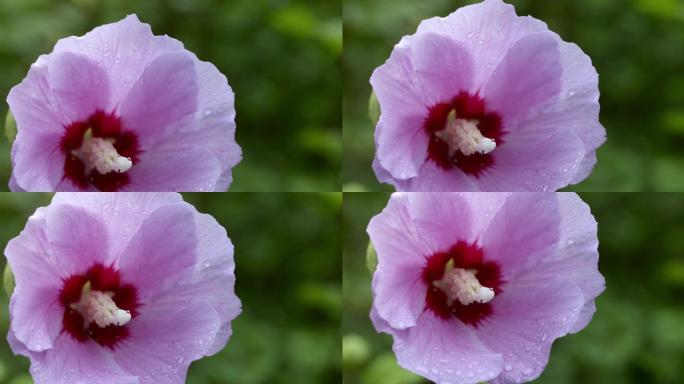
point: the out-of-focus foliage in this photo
(636, 46)
(636, 335)
(281, 58)
(288, 273)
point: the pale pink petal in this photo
(37, 273)
(435, 179)
(213, 277)
(483, 207)
(214, 126)
(176, 169)
(13, 186)
(79, 84)
(578, 104)
(165, 339)
(124, 49)
(33, 104)
(441, 219)
(576, 257)
(525, 320)
(121, 213)
(71, 362)
(487, 29)
(401, 252)
(37, 322)
(443, 67)
(162, 251)
(403, 148)
(31, 257)
(538, 158)
(163, 100)
(528, 78)
(445, 352)
(392, 83)
(77, 239)
(37, 160)
(524, 229)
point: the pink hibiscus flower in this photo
(484, 100)
(477, 286)
(120, 288)
(121, 109)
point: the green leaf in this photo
(10, 127)
(371, 258)
(373, 108)
(8, 280)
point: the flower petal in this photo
(213, 278)
(402, 144)
(37, 321)
(402, 150)
(445, 352)
(525, 320)
(578, 107)
(401, 250)
(163, 100)
(77, 238)
(171, 169)
(440, 219)
(79, 84)
(527, 78)
(442, 66)
(39, 267)
(124, 49)
(72, 362)
(30, 255)
(576, 257)
(523, 229)
(487, 30)
(33, 104)
(540, 157)
(113, 209)
(37, 161)
(214, 126)
(435, 179)
(165, 339)
(162, 252)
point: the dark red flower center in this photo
(471, 122)
(106, 282)
(91, 145)
(468, 258)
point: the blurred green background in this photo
(281, 57)
(288, 272)
(636, 46)
(636, 335)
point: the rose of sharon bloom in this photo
(120, 288)
(484, 100)
(121, 109)
(477, 286)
